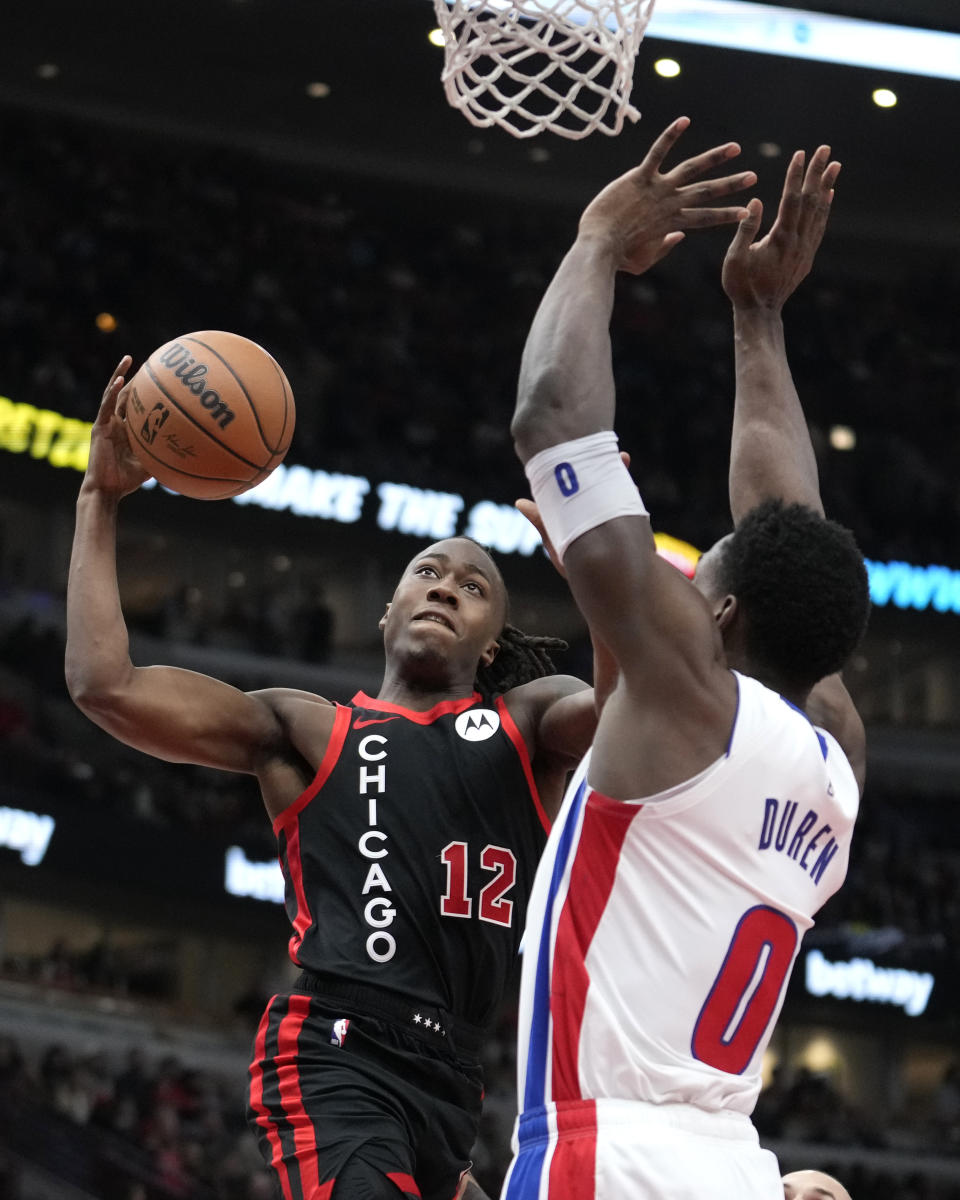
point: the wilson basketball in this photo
(210, 414)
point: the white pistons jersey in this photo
(661, 932)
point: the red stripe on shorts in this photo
(264, 1119)
(573, 1168)
(291, 1098)
(406, 1183)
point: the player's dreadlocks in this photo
(522, 657)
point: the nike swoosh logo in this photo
(374, 721)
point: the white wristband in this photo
(581, 484)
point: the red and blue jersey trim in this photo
(581, 880)
(535, 1081)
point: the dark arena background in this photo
(290, 170)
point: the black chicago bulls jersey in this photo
(409, 859)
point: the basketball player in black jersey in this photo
(409, 826)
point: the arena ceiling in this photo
(237, 70)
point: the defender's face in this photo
(450, 602)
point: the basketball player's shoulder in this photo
(766, 719)
(281, 698)
(556, 716)
(539, 694)
(303, 717)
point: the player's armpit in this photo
(831, 707)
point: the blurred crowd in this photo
(400, 318)
(136, 1127)
(50, 749)
(154, 1130)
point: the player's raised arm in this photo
(771, 455)
(173, 714)
(566, 390)
(566, 378)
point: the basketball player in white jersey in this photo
(713, 816)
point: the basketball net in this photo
(534, 65)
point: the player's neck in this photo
(422, 693)
(789, 691)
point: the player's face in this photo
(813, 1185)
(450, 605)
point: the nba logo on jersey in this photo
(338, 1031)
(477, 724)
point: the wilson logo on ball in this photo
(192, 374)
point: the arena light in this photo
(884, 98)
(667, 68)
(797, 33)
(254, 879)
(435, 38)
(28, 833)
(820, 1054)
(842, 437)
(862, 980)
(903, 585)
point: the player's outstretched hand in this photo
(763, 274)
(113, 467)
(642, 215)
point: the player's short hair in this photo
(801, 583)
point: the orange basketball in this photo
(210, 414)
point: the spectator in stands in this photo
(813, 1185)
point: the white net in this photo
(534, 65)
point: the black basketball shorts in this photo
(330, 1083)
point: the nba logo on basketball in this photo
(153, 423)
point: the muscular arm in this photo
(177, 715)
(672, 691)
(771, 453)
(173, 714)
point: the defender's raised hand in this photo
(642, 215)
(763, 274)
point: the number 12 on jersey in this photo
(456, 902)
(737, 1013)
